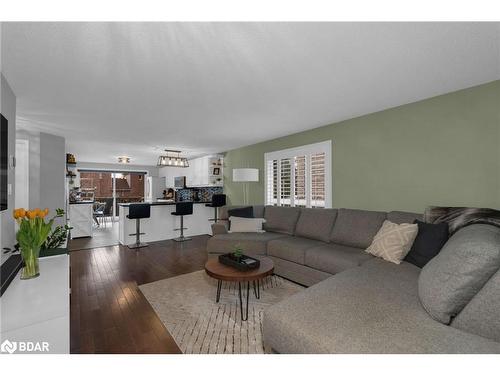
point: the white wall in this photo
(33, 138)
(8, 109)
(47, 170)
(52, 173)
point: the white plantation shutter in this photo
(299, 177)
(300, 198)
(272, 182)
(318, 176)
(285, 182)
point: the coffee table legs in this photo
(219, 287)
(244, 317)
(256, 290)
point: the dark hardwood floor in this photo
(108, 312)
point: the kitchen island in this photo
(162, 224)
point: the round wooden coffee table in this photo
(221, 273)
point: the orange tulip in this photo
(19, 213)
(37, 212)
(45, 212)
(31, 214)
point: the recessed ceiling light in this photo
(123, 159)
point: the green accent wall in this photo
(439, 151)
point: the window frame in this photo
(289, 153)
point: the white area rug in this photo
(186, 306)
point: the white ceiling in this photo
(134, 88)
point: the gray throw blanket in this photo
(459, 217)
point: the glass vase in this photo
(30, 258)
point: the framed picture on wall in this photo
(216, 171)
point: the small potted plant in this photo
(32, 234)
(237, 252)
(238, 260)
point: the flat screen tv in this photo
(4, 163)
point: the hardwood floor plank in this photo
(109, 314)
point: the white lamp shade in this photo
(245, 175)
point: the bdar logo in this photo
(9, 347)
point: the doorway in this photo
(108, 189)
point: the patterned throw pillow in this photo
(393, 241)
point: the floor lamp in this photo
(245, 175)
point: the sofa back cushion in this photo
(481, 316)
(281, 219)
(400, 217)
(466, 262)
(241, 212)
(316, 223)
(258, 210)
(356, 227)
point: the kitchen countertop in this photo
(82, 202)
(160, 203)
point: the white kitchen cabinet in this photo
(198, 174)
(170, 173)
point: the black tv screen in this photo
(4, 162)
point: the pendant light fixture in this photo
(172, 159)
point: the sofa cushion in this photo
(481, 316)
(281, 219)
(258, 211)
(451, 279)
(393, 241)
(291, 248)
(335, 258)
(400, 217)
(252, 243)
(369, 309)
(315, 223)
(428, 243)
(241, 212)
(246, 224)
(356, 227)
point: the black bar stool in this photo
(182, 209)
(218, 200)
(138, 211)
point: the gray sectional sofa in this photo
(357, 303)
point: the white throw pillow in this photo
(248, 225)
(393, 241)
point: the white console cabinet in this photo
(36, 311)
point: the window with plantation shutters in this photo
(299, 177)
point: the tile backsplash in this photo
(204, 193)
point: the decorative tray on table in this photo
(242, 263)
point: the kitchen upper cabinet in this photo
(201, 172)
(170, 173)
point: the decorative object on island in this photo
(173, 159)
(32, 234)
(238, 260)
(245, 175)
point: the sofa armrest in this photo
(219, 228)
